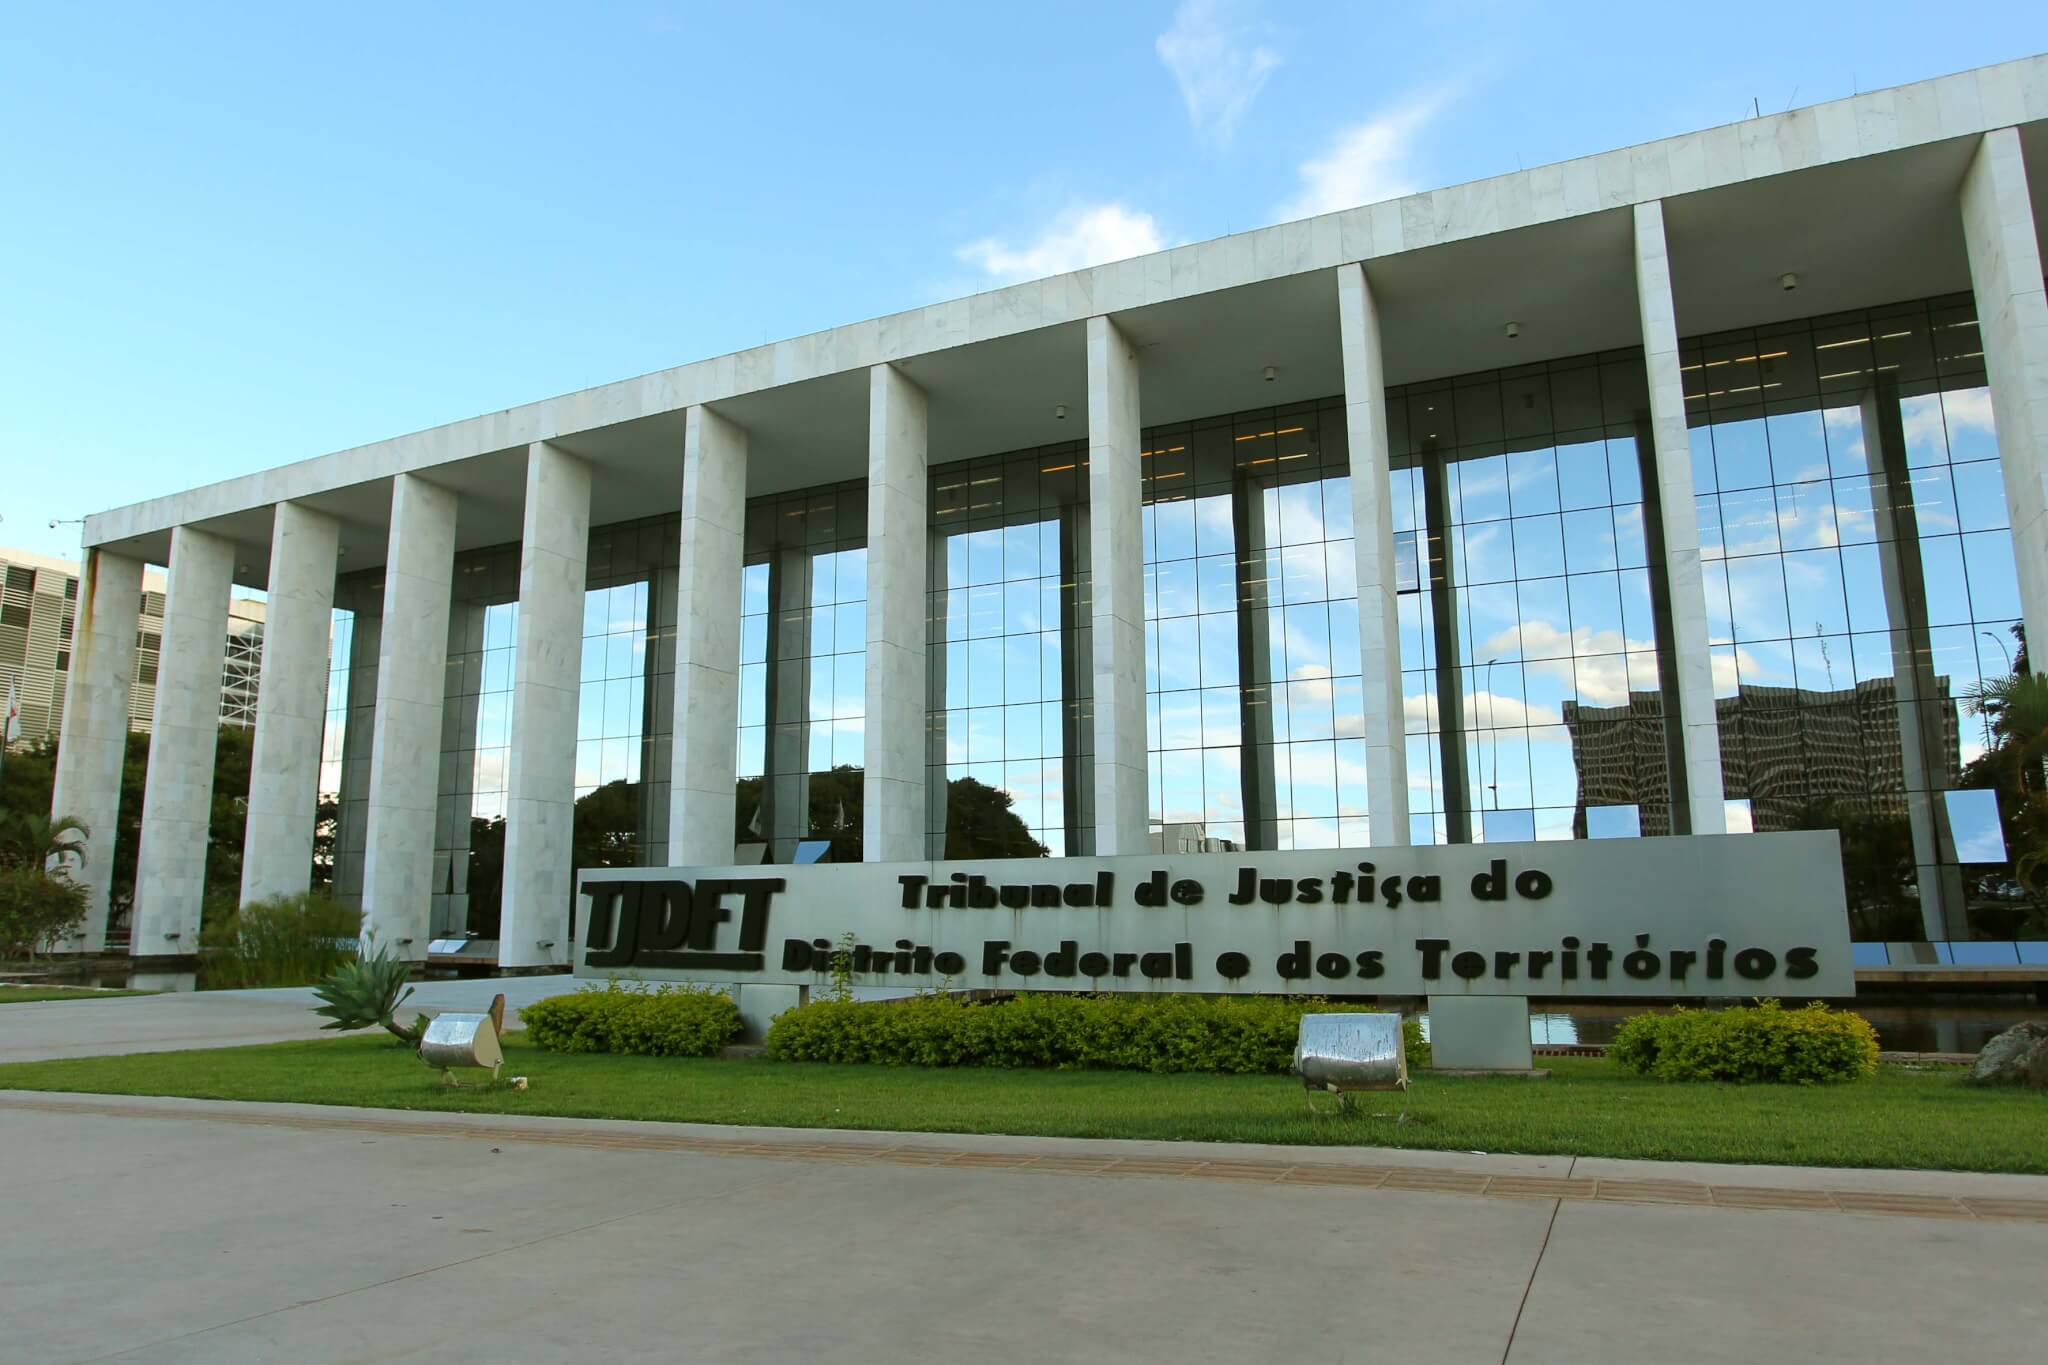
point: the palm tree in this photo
(43, 841)
(2017, 708)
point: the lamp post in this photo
(1492, 735)
(2002, 646)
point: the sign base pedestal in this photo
(760, 1002)
(1479, 1033)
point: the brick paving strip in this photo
(1324, 1174)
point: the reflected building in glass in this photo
(1695, 489)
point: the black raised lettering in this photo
(1754, 964)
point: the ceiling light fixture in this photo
(1059, 412)
(1788, 281)
(1271, 374)
(1513, 329)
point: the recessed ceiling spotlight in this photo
(1513, 329)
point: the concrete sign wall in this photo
(1732, 915)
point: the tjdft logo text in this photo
(676, 923)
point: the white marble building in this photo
(1745, 408)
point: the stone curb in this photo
(1985, 1197)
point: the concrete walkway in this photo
(173, 1022)
(233, 1232)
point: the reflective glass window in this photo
(803, 672)
(1007, 747)
(1858, 594)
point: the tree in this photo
(980, 821)
(28, 839)
(981, 824)
(1878, 871)
(607, 826)
(228, 819)
(486, 876)
(833, 813)
(326, 832)
(36, 909)
(27, 779)
(2015, 708)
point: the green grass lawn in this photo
(29, 995)
(1588, 1108)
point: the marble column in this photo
(1372, 519)
(1700, 728)
(177, 796)
(547, 676)
(1117, 577)
(93, 746)
(291, 703)
(705, 759)
(405, 741)
(893, 809)
(2012, 321)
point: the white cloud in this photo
(1364, 163)
(1935, 421)
(1218, 64)
(1590, 662)
(1483, 711)
(1082, 236)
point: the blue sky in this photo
(241, 235)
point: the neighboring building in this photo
(1176, 838)
(1802, 758)
(1334, 534)
(38, 608)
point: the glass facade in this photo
(1530, 604)
(628, 686)
(1008, 772)
(1860, 583)
(622, 718)
(476, 744)
(361, 597)
(333, 746)
(1254, 716)
(1858, 571)
(803, 674)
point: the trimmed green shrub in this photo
(1159, 1033)
(36, 910)
(647, 1021)
(281, 941)
(1763, 1042)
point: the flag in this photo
(10, 729)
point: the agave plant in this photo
(366, 993)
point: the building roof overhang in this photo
(1858, 197)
